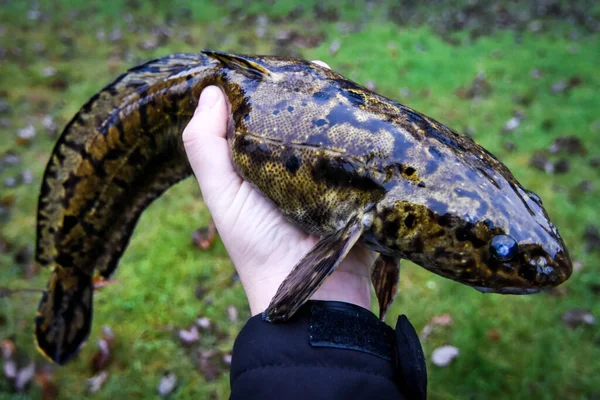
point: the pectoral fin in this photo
(312, 270)
(385, 278)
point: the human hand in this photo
(262, 244)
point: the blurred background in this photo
(522, 78)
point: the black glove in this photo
(301, 358)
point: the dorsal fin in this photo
(244, 64)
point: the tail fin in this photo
(64, 316)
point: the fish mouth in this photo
(508, 290)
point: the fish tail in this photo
(64, 317)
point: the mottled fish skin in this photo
(322, 148)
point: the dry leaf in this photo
(190, 336)
(232, 314)
(578, 316)
(96, 382)
(204, 323)
(437, 320)
(204, 237)
(24, 376)
(443, 356)
(167, 384)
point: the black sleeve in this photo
(328, 350)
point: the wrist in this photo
(347, 287)
(349, 283)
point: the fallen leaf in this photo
(561, 167)
(479, 88)
(232, 314)
(45, 380)
(190, 336)
(96, 382)
(103, 355)
(569, 145)
(443, 356)
(24, 376)
(591, 238)
(167, 384)
(512, 124)
(49, 125)
(204, 323)
(334, 47)
(578, 316)
(101, 358)
(371, 85)
(10, 369)
(510, 146)
(10, 158)
(585, 187)
(204, 237)
(26, 135)
(24, 255)
(559, 87)
(8, 348)
(493, 335)
(536, 73)
(206, 364)
(437, 320)
(540, 160)
(26, 176)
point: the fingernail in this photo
(208, 99)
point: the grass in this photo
(510, 347)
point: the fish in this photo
(337, 160)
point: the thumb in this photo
(207, 150)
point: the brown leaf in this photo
(493, 335)
(569, 145)
(578, 316)
(591, 238)
(207, 366)
(103, 355)
(441, 320)
(437, 320)
(479, 88)
(24, 255)
(45, 380)
(8, 348)
(204, 237)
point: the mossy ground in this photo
(510, 347)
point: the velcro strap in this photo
(346, 326)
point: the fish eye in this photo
(503, 248)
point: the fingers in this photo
(206, 147)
